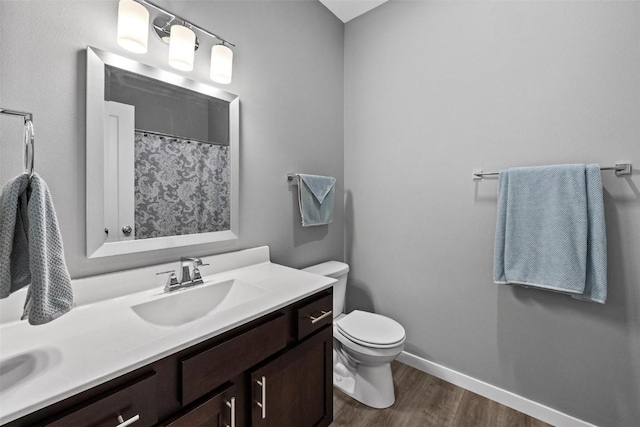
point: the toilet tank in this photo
(337, 270)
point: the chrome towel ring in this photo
(29, 153)
(29, 138)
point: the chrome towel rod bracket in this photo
(29, 143)
(293, 178)
(621, 169)
(28, 117)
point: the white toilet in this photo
(364, 344)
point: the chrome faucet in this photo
(189, 277)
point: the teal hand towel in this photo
(550, 230)
(316, 199)
(31, 251)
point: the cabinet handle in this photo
(232, 406)
(263, 397)
(319, 318)
(130, 421)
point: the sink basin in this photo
(17, 369)
(187, 305)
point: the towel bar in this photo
(621, 169)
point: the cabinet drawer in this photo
(315, 315)
(135, 399)
(213, 367)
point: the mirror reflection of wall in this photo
(169, 109)
(167, 162)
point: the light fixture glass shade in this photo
(133, 26)
(221, 64)
(182, 45)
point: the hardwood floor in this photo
(423, 400)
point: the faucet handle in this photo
(172, 280)
(166, 272)
(196, 270)
(197, 277)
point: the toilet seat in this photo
(371, 330)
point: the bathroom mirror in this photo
(162, 159)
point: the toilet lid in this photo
(371, 329)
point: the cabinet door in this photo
(219, 409)
(295, 390)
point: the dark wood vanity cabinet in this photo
(273, 371)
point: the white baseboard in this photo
(507, 398)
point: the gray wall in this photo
(288, 71)
(431, 91)
(436, 89)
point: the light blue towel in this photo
(550, 230)
(316, 198)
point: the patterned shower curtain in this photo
(181, 187)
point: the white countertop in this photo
(99, 341)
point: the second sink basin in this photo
(187, 305)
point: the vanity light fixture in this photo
(133, 26)
(133, 18)
(221, 63)
(182, 43)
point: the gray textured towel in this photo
(31, 250)
(14, 270)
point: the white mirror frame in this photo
(96, 245)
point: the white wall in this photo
(436, 89)
(288, 71)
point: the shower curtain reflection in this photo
(181, 186)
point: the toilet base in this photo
(371, 385)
